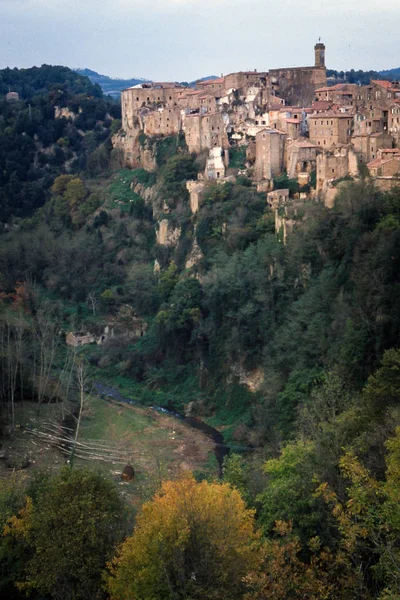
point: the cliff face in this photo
(136, 154)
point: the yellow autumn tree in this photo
(192, 540)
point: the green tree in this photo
(75, 192)
(71, 526)
(289, 493)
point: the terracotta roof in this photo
(382, 83)
(321, 104)
(378, 162)
(297, 121)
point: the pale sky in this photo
(187, 39)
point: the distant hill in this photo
(112, 86)
(391, 73)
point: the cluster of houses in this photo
(285, 120)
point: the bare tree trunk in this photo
(82, 380)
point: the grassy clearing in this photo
(120, 193)
(157, 445)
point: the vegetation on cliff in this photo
(291, 349)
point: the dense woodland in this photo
(319, 316)
(35, 146)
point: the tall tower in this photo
(319, 54)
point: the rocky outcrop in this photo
(195, 256)
(64, 112)
(167, 234)
(136, 154)
(253, 379)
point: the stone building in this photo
(215, 166)
(298, 84)
(270, 154)
(330, 129)
(211, 86)
(245, 79)
(204, 131)
(342, 94)
(150, 95)
(162, 121)
(385, 169)
(277, 198)
(367, 146)
(394, 122)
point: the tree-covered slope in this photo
(56, 126)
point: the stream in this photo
(220, 450)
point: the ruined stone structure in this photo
(301, 158)
(12, 96)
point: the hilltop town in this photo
(285, 121)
